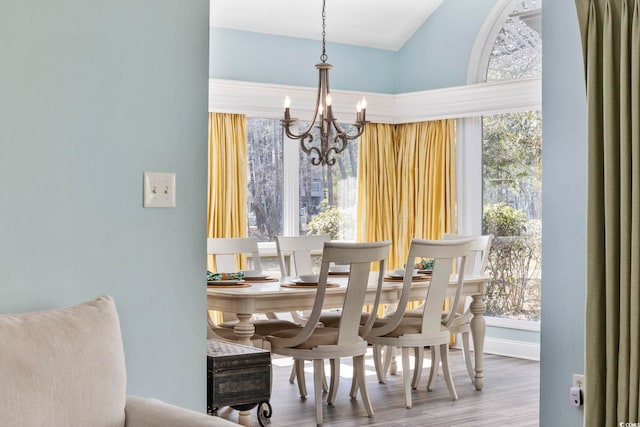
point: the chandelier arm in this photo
(337, 149)
(307, 139)
(318, 159)
(359, 126)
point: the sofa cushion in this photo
(63, 367)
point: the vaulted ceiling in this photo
(382, 24)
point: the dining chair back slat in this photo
(299, 250)
(478, 252)
(227, 250)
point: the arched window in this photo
(505, 151)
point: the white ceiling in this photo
(382, 24)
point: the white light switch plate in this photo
(159, 190)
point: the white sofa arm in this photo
(143, 412)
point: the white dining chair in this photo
(461, 324)
(295, 252)
(428, 329)
(295, 256)
(226, 252)
(319, 343)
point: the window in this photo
(325, 200)
(511, 173)
(266, 178)
(512, 212)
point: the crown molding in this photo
(266, 100)
(469, 101)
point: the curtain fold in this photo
(227, 183)
(610, 32)
(376, 205)
(426, 181)
(406, 184)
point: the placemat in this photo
(237, 285)
(266, 279)
(338, 273)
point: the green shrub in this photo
(335, 221)
(502, 220)
(326, 222)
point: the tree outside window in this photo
(327, 194)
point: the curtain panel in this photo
(377, 198)
(406, 184)
(610, 32)
(227, 183)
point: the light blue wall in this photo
(265, 58)
(93, 95)
(437, 56)
(563, 216)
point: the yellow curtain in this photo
(227, 185)
(376, 207)
(406, 185)
(426, 181)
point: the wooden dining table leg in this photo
(478, 331)
(244, 329)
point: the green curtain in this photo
(611, 44)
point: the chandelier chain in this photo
(323, 57)
(333, 139)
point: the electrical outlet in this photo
(576, 393)
(578, 381)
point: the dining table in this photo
(278, 296)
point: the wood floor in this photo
(510, 398)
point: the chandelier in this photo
(333, 140)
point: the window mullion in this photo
(291, 202)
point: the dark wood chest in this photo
(237, 375)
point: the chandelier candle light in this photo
(323, 155)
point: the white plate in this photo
(259, 277)
(339, 269)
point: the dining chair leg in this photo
(417, 372)
(325, 386)
(358, 363)
(292, 378)
(406, 378)
(467, 356)
(377, 362)
(317, 388)
(389, 361)
(335, 380)
(354, 385)
(444, 355)
(302, 384)
(435, 362)
(292, 375)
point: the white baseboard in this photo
(510, 348)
